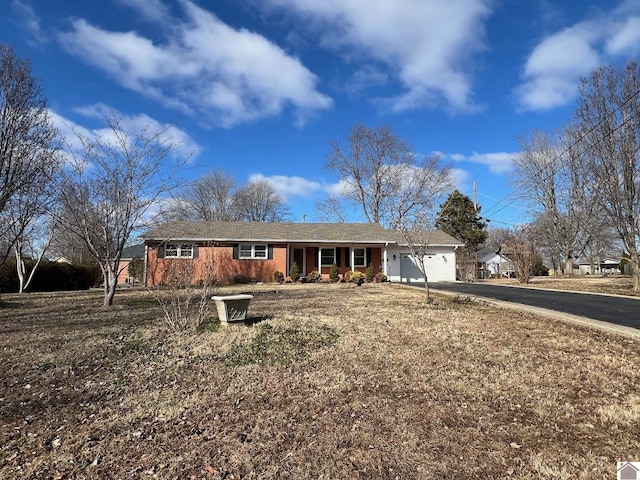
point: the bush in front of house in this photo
(314, 277)
(333, 273)
(370, 274)
(357, 277)
(347, 276)
(238, 278)
(294, 272)
(380, 277)
(278, 276)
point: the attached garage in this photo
(440, 260)
(440, 267)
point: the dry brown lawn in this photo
(329, 382)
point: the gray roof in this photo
(133, 251)
(284, 232)
(432, 237)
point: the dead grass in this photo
(334, 382)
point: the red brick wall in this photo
(214, 261)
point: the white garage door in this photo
(409, 271)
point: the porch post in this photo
(320, 259)
(286, 261)
(385, 261)
(353, 258)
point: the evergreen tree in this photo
(459, 218)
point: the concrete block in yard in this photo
(232, 308)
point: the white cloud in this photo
(29, 21)
(129, 124)
(205, 67)
(289, 187)
(556, 64)
(498, 162)
(625, 39)
(426, 45)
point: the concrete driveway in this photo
(605, 308)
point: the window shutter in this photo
(368, 257)
(347, 257)
(236, 247)
(161, 251)
(316, 252)
(195, 251)
(270, 252)
(338, 255)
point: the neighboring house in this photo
(606, 265)
(257, 249)
(128, 255)
(495, 264)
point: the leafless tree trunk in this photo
(28, 139)
(382, 175)
(522, 250)
(550, 172)
(609, 115)
(108, 191)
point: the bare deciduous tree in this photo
(609, 115)
(28, 139)
(257, 201)
(209, 198)
(522, 250)
(331, 210)
(383, 176)
(552, 176)
(29, 223)
(109, 189)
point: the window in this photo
(253, 251)
(327, 256)
(178, 250)
(359, 257)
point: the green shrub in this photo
(370, 274)
(278, 276)
(381, 277)
(294, 272)
(539, 270)
(333, 273)
(314, 277)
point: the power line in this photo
(565, 151)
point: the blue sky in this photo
(257, 88)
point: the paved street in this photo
(621, 311)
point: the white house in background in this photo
(606, 265)
(496, 264)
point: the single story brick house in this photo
(258, 249)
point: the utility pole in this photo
(475, 209)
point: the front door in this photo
(298, 258)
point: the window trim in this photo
(364, 256)
(333, 249)
(253, 255)
(178, 248)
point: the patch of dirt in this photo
(326, 382)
